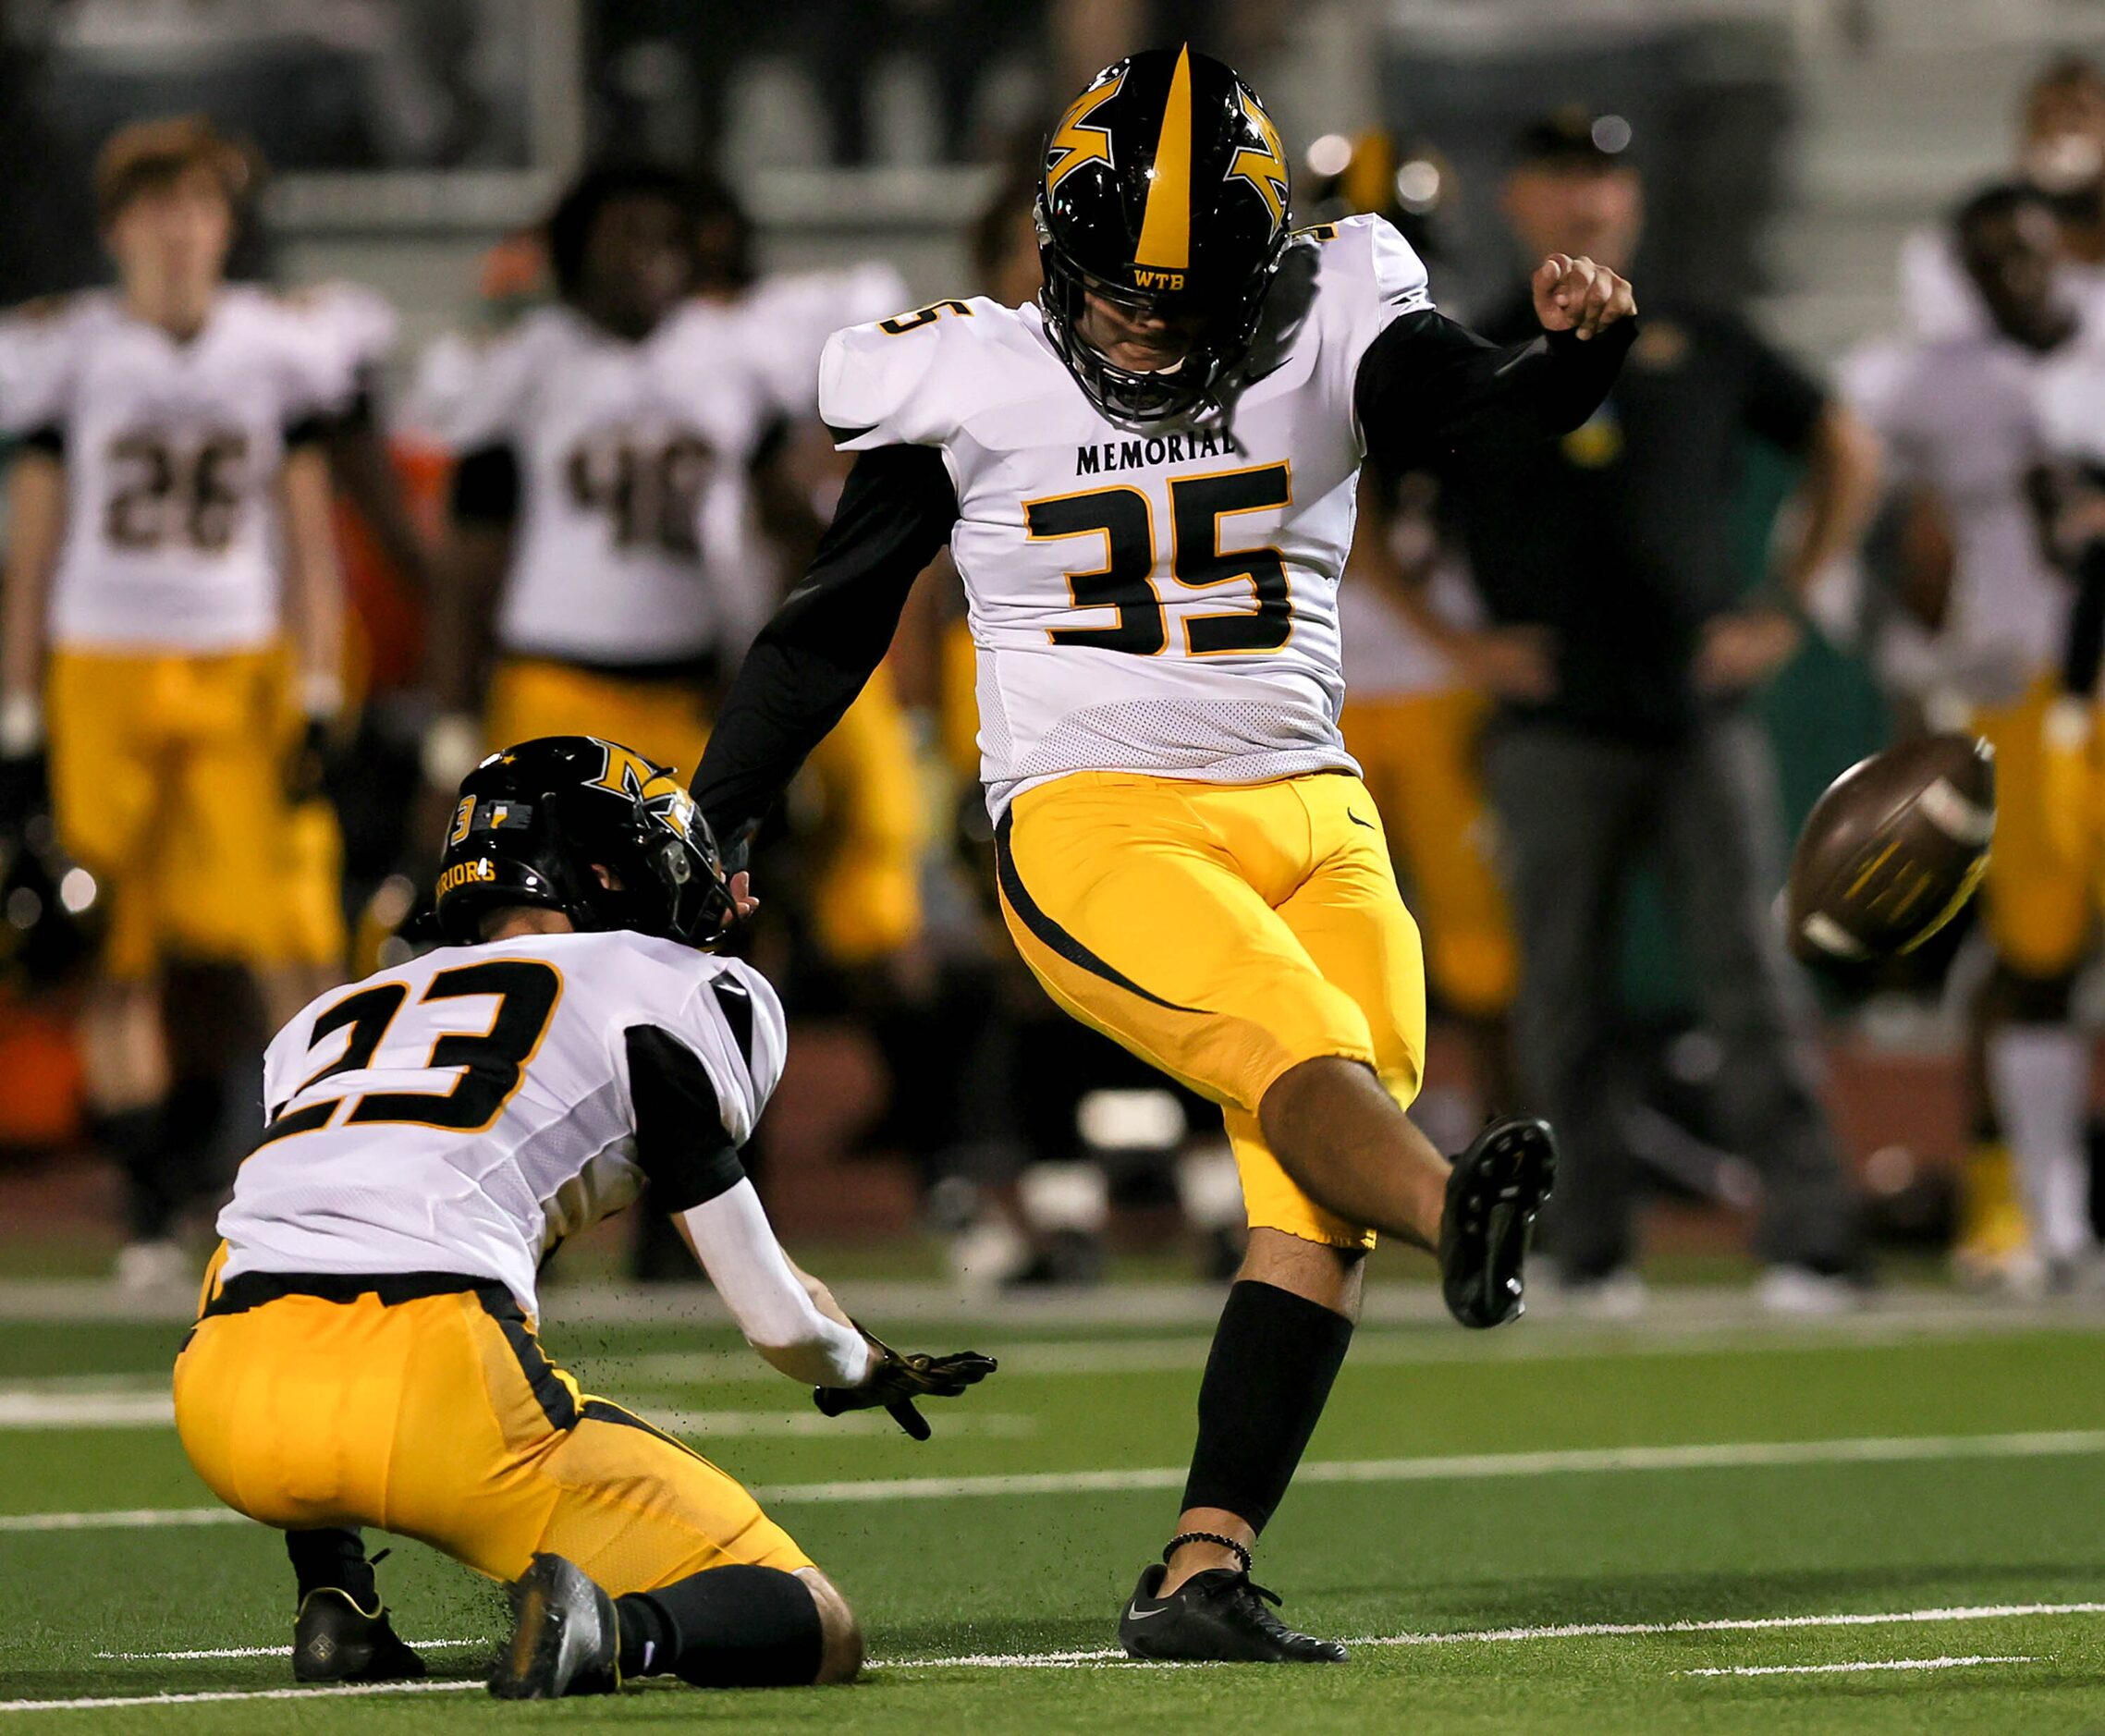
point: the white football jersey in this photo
(466, 1111)
(172, 452)
(628, 544)
(1964, 417)
(1162, 602)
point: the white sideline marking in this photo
(1553, 1339)
(123, 1519)
(1564, 1631)
(1843, 1669)
(1457, 1467)
(265, 1651)
(21, 1407)
(1071, 1661)
(30, 1407)
(1873, 1449)
(215, 1696)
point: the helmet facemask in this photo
(1142, 397)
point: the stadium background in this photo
(1681, 1522)
(1790, 145)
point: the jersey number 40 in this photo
(1124, 518)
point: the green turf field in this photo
(1560, 1527)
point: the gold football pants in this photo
(1224, 932)
(438, 1417)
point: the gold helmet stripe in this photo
(1166, 221)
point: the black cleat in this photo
(1218, 1617)
(565, 1636)
(334, 1639)
(1497, 1188)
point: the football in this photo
(1893, 850)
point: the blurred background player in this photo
(592, 572)
(1615, 592)
(2059, 155)
(170, 534)
(1977, 646)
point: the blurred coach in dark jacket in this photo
(1625, 655)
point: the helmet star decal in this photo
(1076, 143)
(1265, 169)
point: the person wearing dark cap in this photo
(1625, 655)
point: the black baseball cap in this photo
(1573, 137)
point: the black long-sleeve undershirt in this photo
(1425, 384)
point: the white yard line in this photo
(1090, 1659)
(265, 1651)
(1470, 1467)
(1567, 1631)
(105, 1702)
(28, 1407)
(1375, 1347)
(1438, 1468)
(122, 1519)
(24, 1408)
(1851, 1669)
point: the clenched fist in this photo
(1577, 294)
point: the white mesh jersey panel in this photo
(630, 545)
(172, 453)
(467, 1111)
(1159, 600)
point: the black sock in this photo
(333, 1557)
(135, 1140)
(725, 1627)
(1274, 1357)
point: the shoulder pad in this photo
(1365, 261)
(897, 382)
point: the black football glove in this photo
(898, 1381)
(25, 790)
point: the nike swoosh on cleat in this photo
(1357, 820)
(1138, 1614)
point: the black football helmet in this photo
(533, 820)
(1165, 188)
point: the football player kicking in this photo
(366, 1352)
(1146, 480)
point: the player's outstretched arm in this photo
(1427, 378)
(896, 511)
(798, 1328)
(766, 1294)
